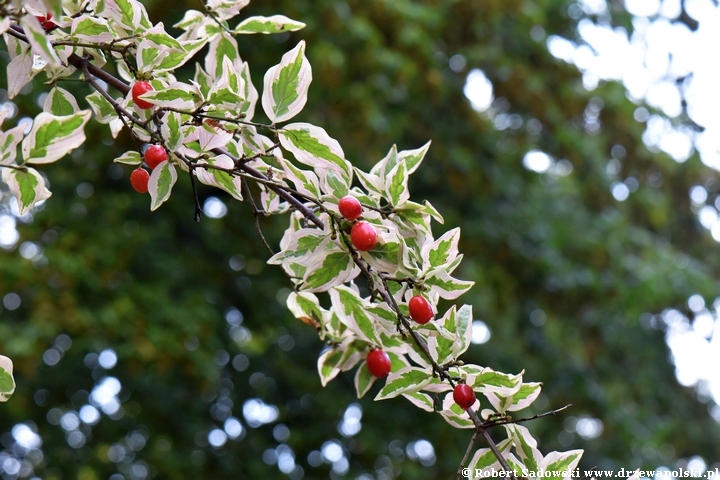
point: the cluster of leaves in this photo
(206, 124)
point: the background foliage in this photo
(161, 290)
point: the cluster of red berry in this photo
(364, 237)
(154, 154)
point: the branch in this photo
(92, 72)
(256, 212)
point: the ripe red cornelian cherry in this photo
(464, 396)
(138, 89)
(420, 309)
(139, 179)
(363, 236)
(350, 207)
(378, 363)
(155, 155)
(45, 21)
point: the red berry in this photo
(464, 396)
(138, 89)
(420, 309)
(363, 236)
(139, 179)
(350, 207)
(155, 155)
(378, 363)
(45, 21)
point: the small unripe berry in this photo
(363, 236)
(139, 179)
(464, 396)
(378, 363)
(155, 155)
(138, 89)
(350, 207)
(420, 309)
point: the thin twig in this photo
(22, 168)
(470, 448)
(198, 209)
(256, 212)
(491, 423)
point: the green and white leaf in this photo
(162, 179)
(312, 146)
(172, 130)
(333, 183)
(413, 158)
(485, 460)
(328, 364)
(384, 166)
(272, 204)
(385, 317)
(489, 382)
(178, 95)
(454, 415)
(130, 15)
(91, 29)
(447, 287)
(305, 305)
(286, 85)
(302, 243)
(191, 20)
(210, 138)
(421, 400)
(9, 141)
(28, 187)
(562, 462)
(336, 268)
(220, 47)
(39, 42)
(396, 185)
(363, 380)
(226, 9)
(462, 330)
(104, 111)
(52, 137)
(130, 157)
(177, 58)
(249, 93)
(161, 39)
(407, 380)
(442, 251)
(60, 102)
(525, 396)
(525, 446)
(441, 349)
(372, 183)
(271, 24)
(7, 382)
(353, 310)
(149, 56)
(20, 72)
(306, 181)
(219, 178)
